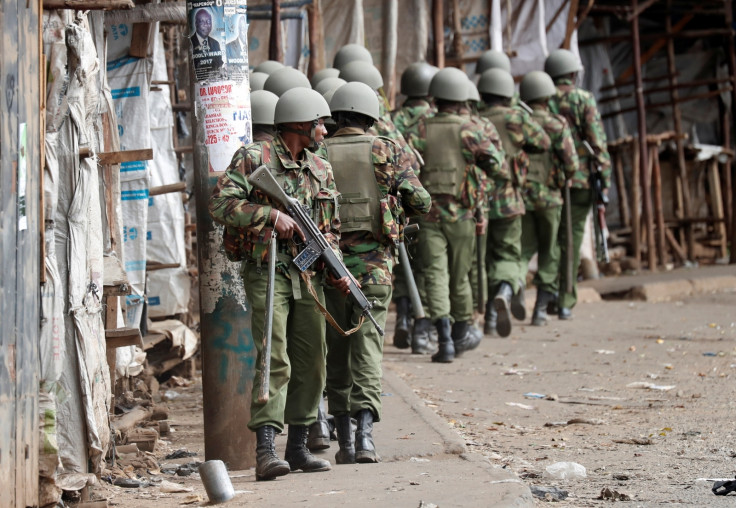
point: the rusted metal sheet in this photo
(19, 252)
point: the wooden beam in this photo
(642, 7)
(121, 337)
(557, 15)
(86, 5)
(570, 23)
(275, 49)
(677, 250)
(656, 105)
(658, 206)
(584, 14)
(145, 154)
(438, 28)
(316, 38)
(167, 189)
(152, 266)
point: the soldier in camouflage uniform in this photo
(417, 106)
(377, 187)
(548, 173)
(452, 147)
(296, 380)
(366, 73)
(519, 136)
(581, 112)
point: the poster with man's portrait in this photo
(236, 48)
(207, 33)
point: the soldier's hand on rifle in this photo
(342, 285)
(284, 225)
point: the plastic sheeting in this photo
(168, 290)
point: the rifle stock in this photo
(480, 262)
(265, 363)
(569, 254)
(600, 200)
(314, 246)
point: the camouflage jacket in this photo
(386, 128)
(478, 151)
(371, 261)
(526, 136)
(538, 195)
(235, 203)
(410, 113)
(579, 108)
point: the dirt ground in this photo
(650, 385)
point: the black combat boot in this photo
(539, 316)
(346, 440)
(421, 343)
(268, 464)
(552, 307)
(462, 338)
(297, 454)
(518, 304)
(502, 302)
(564, 313)
(490, 318)
(319, 431)
(402, 333)
(446, 351)
(365, 451)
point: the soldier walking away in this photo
(377, 187)
(297, 361)
(548, 173)
(519, 135)
(417, 106)
(579, 108)
(451, 146)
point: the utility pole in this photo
(221, 123)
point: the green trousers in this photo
(447, 250)
(481, 243)
(580, 206)
(354, 362)
(297, 350)
(539, 230)
(503, 258)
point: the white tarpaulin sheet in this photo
(167, 290)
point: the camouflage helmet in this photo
(416, 78)
(473, 94)
(328, 84)
(449, 84)
(257, 80)
(496, 82)
(268, 66)
(493, 59)
(561, 62)
(349, 53)
(355, 97)
(285, 79)
(536, 85)
(300, 105)
(362, 71)
(328, 72)
(262, 107)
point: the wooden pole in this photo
(623, 195)
(635, 200)
(658, 207)
(275, 49)
(390, 48)
(643, 161)
(570, 23)
(316, 38)
(727, 141)
(680, 146)
(457, 39)
(85, 5)
(438, 27)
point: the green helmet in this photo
(257, 80)
(496, 82)
(561, 62)
(329, 72)
(536, 85)
(449, 84)
(285, 79)
(328, 84)
(362, 71)
(473, 94)
(300, 105)
(349, 53)
(416, 78)
(357, 97)
(493, 59)
(268, 66)
(262, 107)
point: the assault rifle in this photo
(314, 246)
(411, 283)
(600, 201)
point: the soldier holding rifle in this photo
(297, 359)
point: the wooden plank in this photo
(145, 154)
(677, 250)
(716, 203)
(114, 275)
(635, 203)
(140, 39)
(166, 189)
(153, 266)
(623, 195)
(658, 207)
(438, 27)
(570, 23)
(151, 339)
(275, 46)
(130, 419)
(121, 337)
(85, 5)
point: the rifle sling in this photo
(308, 281)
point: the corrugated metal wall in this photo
(19, 251)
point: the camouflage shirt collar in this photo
(349, 131)
(310, 162)
(564, 82)
(284, 155)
